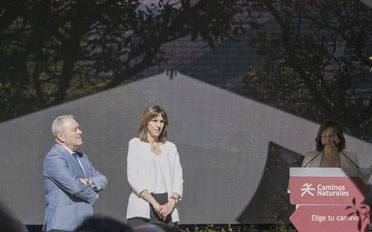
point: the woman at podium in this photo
(330, 145)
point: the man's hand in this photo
(87, 182)
(84, 181)
(167, 208)
(91, 183)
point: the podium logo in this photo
(307, 189)
(324, 190)
(332, 190)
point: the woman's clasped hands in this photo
(164, 210)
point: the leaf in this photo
(350, 214)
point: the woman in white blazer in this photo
(154, 172)
(330, 145)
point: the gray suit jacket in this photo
(69, 201)
(310, 161)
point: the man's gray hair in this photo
(58, 125)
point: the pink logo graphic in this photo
(340, 218)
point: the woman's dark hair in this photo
(336, 127)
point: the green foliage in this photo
(313, 60)
(211, 228)
(281, 226)
(57, 50)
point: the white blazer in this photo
(141, 175)
(310, 161)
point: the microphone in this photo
(320, 152)
(339, 148)
(338, 145)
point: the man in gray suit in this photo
(71, 182)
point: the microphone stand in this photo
(315, 156)
(338, 146)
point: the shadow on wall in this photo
(271, 200)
